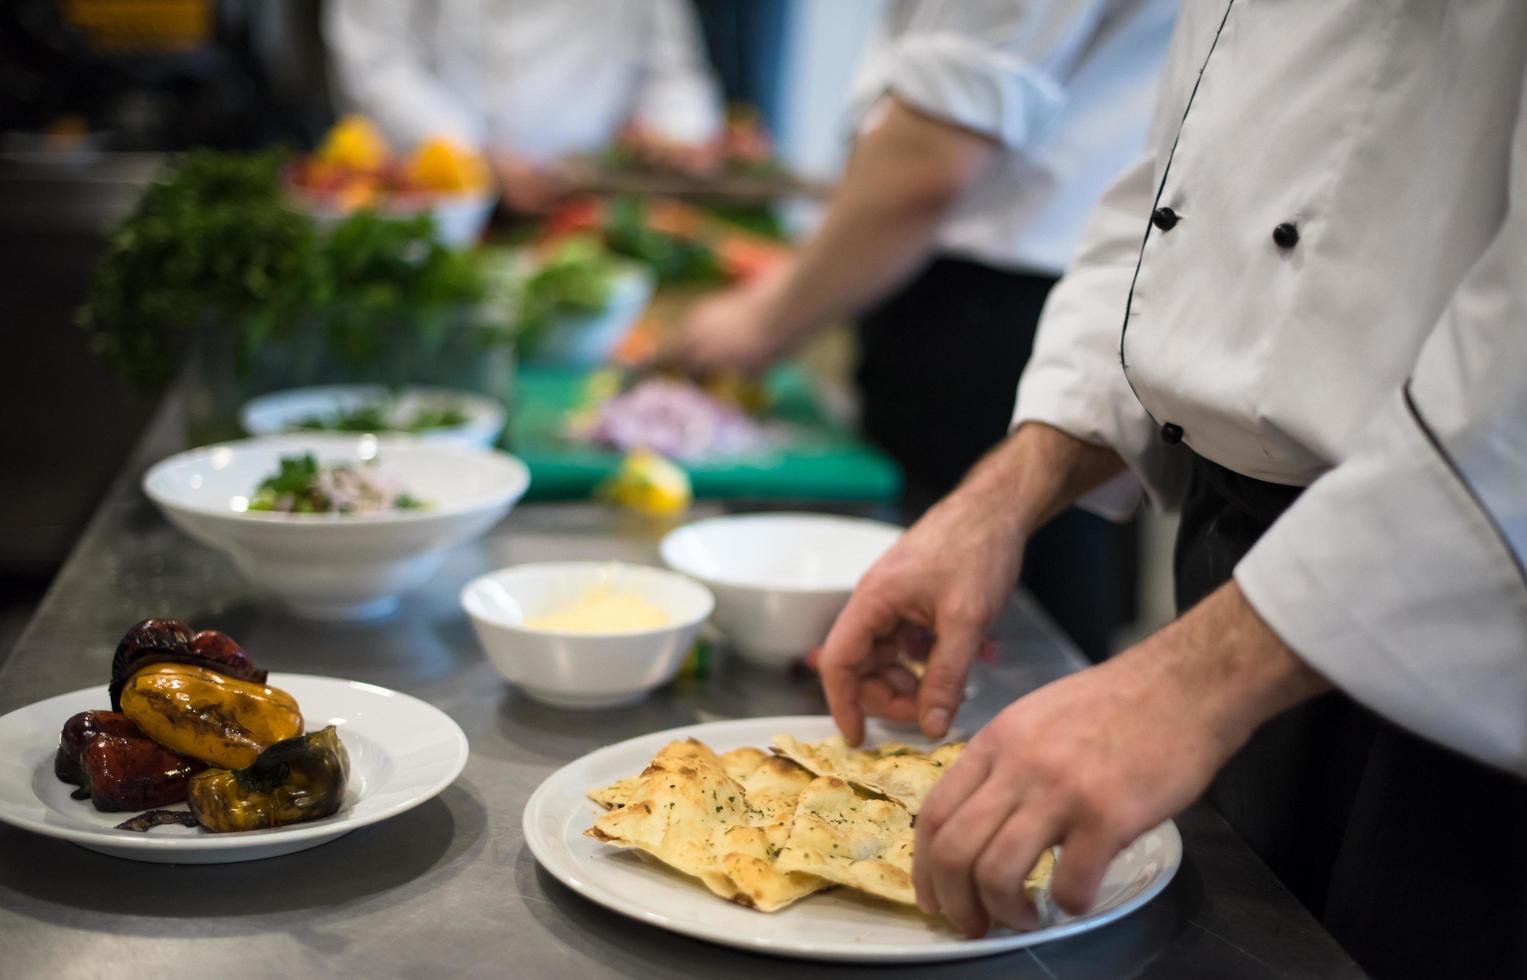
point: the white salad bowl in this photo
(589, 340)
(583, 670)
(779, 579)
(337, 566)
(284, 412)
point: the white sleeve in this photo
(381, 68)
(995, 67)
(1074, 381)
(1399, 574)
(679, 97)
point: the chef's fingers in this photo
(1003, 867)
(877, 699)
(962, 780)
(849, 644)
(1084, 858)
(956, 846)
(943, 682)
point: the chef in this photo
(1302, 319)
(528, 81)
(986, 131)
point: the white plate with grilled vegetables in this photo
(401, 752)
(700, 829)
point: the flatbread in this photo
(894, 770)
(848, 839)
(688, 813)
(618, 793)
(867, 844)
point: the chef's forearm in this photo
(905, 175)
(1033, 475)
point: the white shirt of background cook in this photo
(546, 78)
(1379, 354)
(1065, 86)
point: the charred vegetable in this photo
(293, 781)
(206, 715)
(159, 641)
(134, 773)
(79, 732)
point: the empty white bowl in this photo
(575, 669)
(779, 579)
(283, 412)
(335, 566)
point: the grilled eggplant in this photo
(293, 781)
(206, 715)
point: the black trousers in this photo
(938, 372)
(1414, 857)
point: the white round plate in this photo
(828, 926)
(402, 753)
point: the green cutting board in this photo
(820, 462)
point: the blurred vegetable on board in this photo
(212, 246)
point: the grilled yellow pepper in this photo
(202, 714)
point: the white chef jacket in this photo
(1381, 358)
(546, 78)
(1065, 86)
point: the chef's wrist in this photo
(1222, 653)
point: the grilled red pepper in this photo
(79, 732)
(113, 763)
(135, 773)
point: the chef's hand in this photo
(735, 330)
(947, 577)
(1095, 759)
(527, 187)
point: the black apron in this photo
(1413, 856)
(938, 373)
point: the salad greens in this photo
(382, 418)
(301, 485)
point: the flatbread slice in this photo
(618, 793)
(867, 844)
(849, 839)
(688, 813)
(894, 770)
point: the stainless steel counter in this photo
(450, 888)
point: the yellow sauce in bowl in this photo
(602, 611)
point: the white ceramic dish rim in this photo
(520, 482)
(753, 585)
(329, 827)
(481, 411)
(568, 872)
(709, 599)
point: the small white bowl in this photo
(283, 412)
(583, 670)
(334, 566)
(779, 579)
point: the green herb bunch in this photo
(212, 244)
